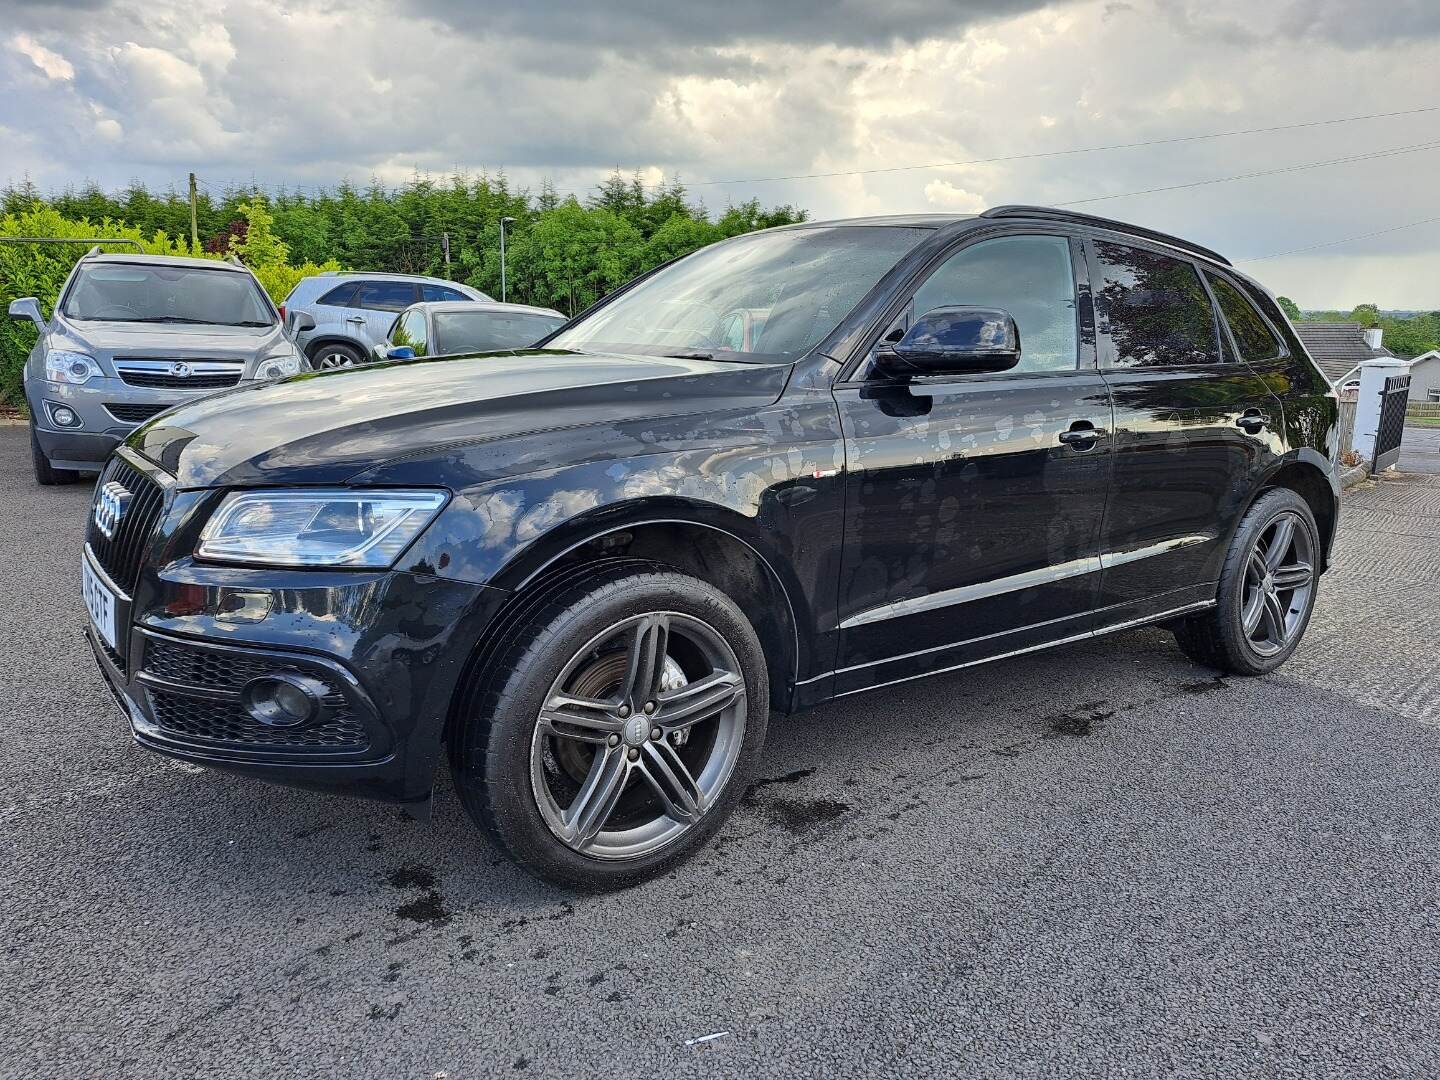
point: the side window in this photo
(440, 292)
(1252, 336)
(385, 295)
(1031, 277)
(1155, 307)
(340, 296)
(410, 330)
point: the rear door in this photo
(379, 302)
(1195, 430)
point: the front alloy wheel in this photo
(633, 744)
(616, 727)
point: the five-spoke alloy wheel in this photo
(631, 748)
(1266, 591)
(618, 728)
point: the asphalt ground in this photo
(1096, 861)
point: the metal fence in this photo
(1423, 408)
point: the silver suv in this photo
(131, 336)
(353, 311)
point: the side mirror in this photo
(955, 341)
(301, 321)
(27, 308)
(401, 352)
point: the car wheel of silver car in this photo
(46, 475)
(329, 357)
(618, 730)
(1267, 590)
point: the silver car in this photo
(354, 311)
(445, 328)
(131, 336)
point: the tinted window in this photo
(1156, 308)
(385, 295)
(480, 331)
(341, 296)
(440, 292)
(137, 293)
(795, 285)
(1252, 337)
(1031, 277)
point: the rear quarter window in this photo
(1251, 333)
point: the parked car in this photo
(446, 328)
(588, 574)
(354, 311)
(132, 335)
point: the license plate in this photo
(100, 602)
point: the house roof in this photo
(1337, 346)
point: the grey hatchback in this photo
(133, 335)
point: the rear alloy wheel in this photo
(620, 728)
(1267, 590)
(331, 357)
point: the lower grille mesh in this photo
(225, 722)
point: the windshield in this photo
(167, 294)
(481, 331)
(767, 296)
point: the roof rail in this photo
(1050, 213)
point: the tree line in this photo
(562, 252)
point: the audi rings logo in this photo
(110, 508)
(180, 370)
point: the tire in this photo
(1265, 598)
(544, 788)
(45, 474)
(336, 355)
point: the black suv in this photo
(795, 465)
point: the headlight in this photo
(278, 365)
(70, 367)
(327, 527)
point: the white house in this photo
(1425, 376)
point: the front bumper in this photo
(391, 648)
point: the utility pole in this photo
(194, 226)
(503, 222)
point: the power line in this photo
(1342, 240)
(1072, 150)
(1391, 152)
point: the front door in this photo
(1195, 429)
(974, 503)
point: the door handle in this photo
(1252, 422)
(1082, 435)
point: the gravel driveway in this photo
(1097, 860)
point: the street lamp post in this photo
(503, 222)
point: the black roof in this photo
(1337, 346)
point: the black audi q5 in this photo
(792, 466)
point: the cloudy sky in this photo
(310, 93)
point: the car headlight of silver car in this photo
(279, 364)
(319, 527)
(61, 365)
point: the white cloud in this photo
(947, 196)
(309, 92)
(50, 62)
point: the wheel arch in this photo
(1311, 476)
(314, 345)
(709, 542)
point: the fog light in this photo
(63, 416)
(284, 700)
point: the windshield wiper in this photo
(689, 355)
